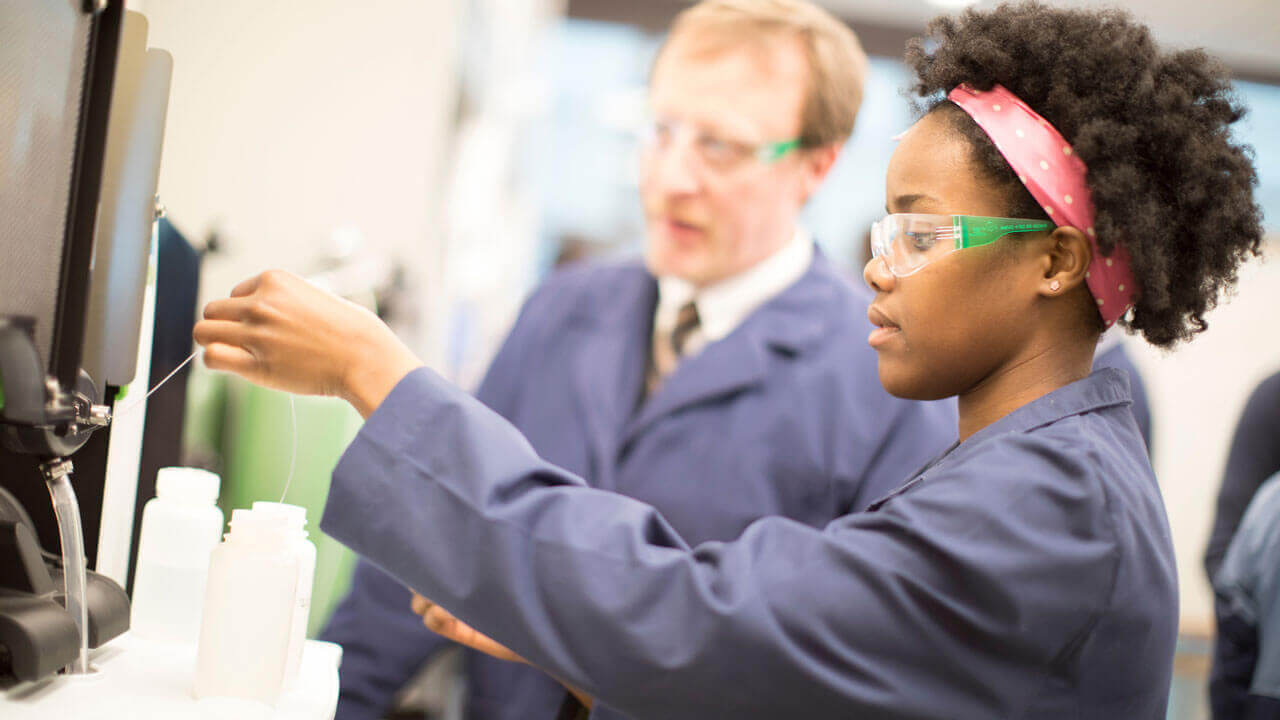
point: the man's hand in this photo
(279, 331)
(443, 623)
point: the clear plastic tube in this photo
(71, 535)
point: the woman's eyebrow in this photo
(905, 202)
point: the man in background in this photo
(725, 378)
(1242, 566)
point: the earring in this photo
(1055, 285)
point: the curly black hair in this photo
(1152, 126)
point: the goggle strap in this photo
(971, 231)
(773, 152)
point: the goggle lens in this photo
(909, 242)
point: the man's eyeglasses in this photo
(713, 152)
(909, 241)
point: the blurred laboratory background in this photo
(434, 160)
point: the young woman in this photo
(1065, 175)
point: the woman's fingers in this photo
(232, 308)
(305, 340)
(221, 356)
(443, 623)
(246, 287)
(439, 620)
(226, 332)
(489, 646)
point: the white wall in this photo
(290, 119)
(1197, 393)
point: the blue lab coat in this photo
(785, 416)
(1245, 682)
(1117, 357)
(1026, 573)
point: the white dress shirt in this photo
(723, 306)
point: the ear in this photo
(1066, 262)
(817, 165)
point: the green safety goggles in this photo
(909, 241)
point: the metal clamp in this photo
(99, 416)
(56, 468)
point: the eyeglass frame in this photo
(967, 231)
(765, 153)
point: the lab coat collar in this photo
(790, 320)
(790, 323)
(612, 353)
(798, 317)
(724, 305)
(1104, 388)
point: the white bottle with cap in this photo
(305, 552)
(180, 528)
(248, 610)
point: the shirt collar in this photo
(723, 306)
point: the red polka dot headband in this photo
(1055, 176)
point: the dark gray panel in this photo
(43, 54)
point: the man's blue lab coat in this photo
(1027, 573)
(785, 416)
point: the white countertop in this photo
(140, 680)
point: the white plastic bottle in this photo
(248, 610)
(305, 551)
(181, 526)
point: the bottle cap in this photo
(191, 484)
(254, 525)
(296, 515)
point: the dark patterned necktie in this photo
(687, 322)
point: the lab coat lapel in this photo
(735, 363)
(784, 325)
(612, 340)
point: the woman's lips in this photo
(882, 335)
(885, 330)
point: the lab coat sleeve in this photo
(921, 605)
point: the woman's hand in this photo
(443, 623)
(279, 331)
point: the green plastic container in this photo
(256, 442)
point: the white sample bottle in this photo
(248, 611)
(181, 526)
(306, 553)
